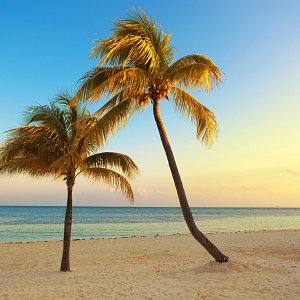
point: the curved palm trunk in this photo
(65, 261)
(197, 234)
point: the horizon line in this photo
(130, 206)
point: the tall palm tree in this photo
(136, 68)
(60, 141)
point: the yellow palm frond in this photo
(113, 179)
(100, 130)
(135, 78)
(130, 49)
(114, 101)
(32, 166)
(31, 141)
(70, 160)
(113, 160)
(194, 71)
(60, 141)
(201, 116)
(137, 41)
(111, 81)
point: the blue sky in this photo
(255, 162)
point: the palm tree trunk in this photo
(65, 261)
(197, 234)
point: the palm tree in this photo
(60, 141)
(136, 68)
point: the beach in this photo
(263, 265)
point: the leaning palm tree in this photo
(60, 141)
(136, 68)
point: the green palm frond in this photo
(89, 82)
(72, 113)
(201, 116)
(48, 115)
(113, 160)
(113, 179)
(64, 98)
(194, 71)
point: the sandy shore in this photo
(264, 265)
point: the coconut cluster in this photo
(155, 92)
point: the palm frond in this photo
(111, 81)
(100, 130)
(201, 116)
(113, 179)
(48, 115)
(129, 49)
(89, 82)
(72, 113)
(64, 98)
(31, 141)
(32, 166)
(39, 149)
(113, 160)
(137, 41)
(135, 78)
(114, 101)
(71, 160)
(194, 71)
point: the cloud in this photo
(257, 188)
(142, 192)
(292, 172)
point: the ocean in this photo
(41, 223)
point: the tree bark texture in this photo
(65, 261)
(197, 234)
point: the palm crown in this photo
(60, 141)
(136, 66)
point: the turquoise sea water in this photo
(33, 223)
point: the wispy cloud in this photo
(142, 192)
(292, 172)
(257, 188)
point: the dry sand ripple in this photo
(263, 265)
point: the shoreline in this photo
(146, 236)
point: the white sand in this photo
(264, 265)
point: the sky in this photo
(255, 161)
